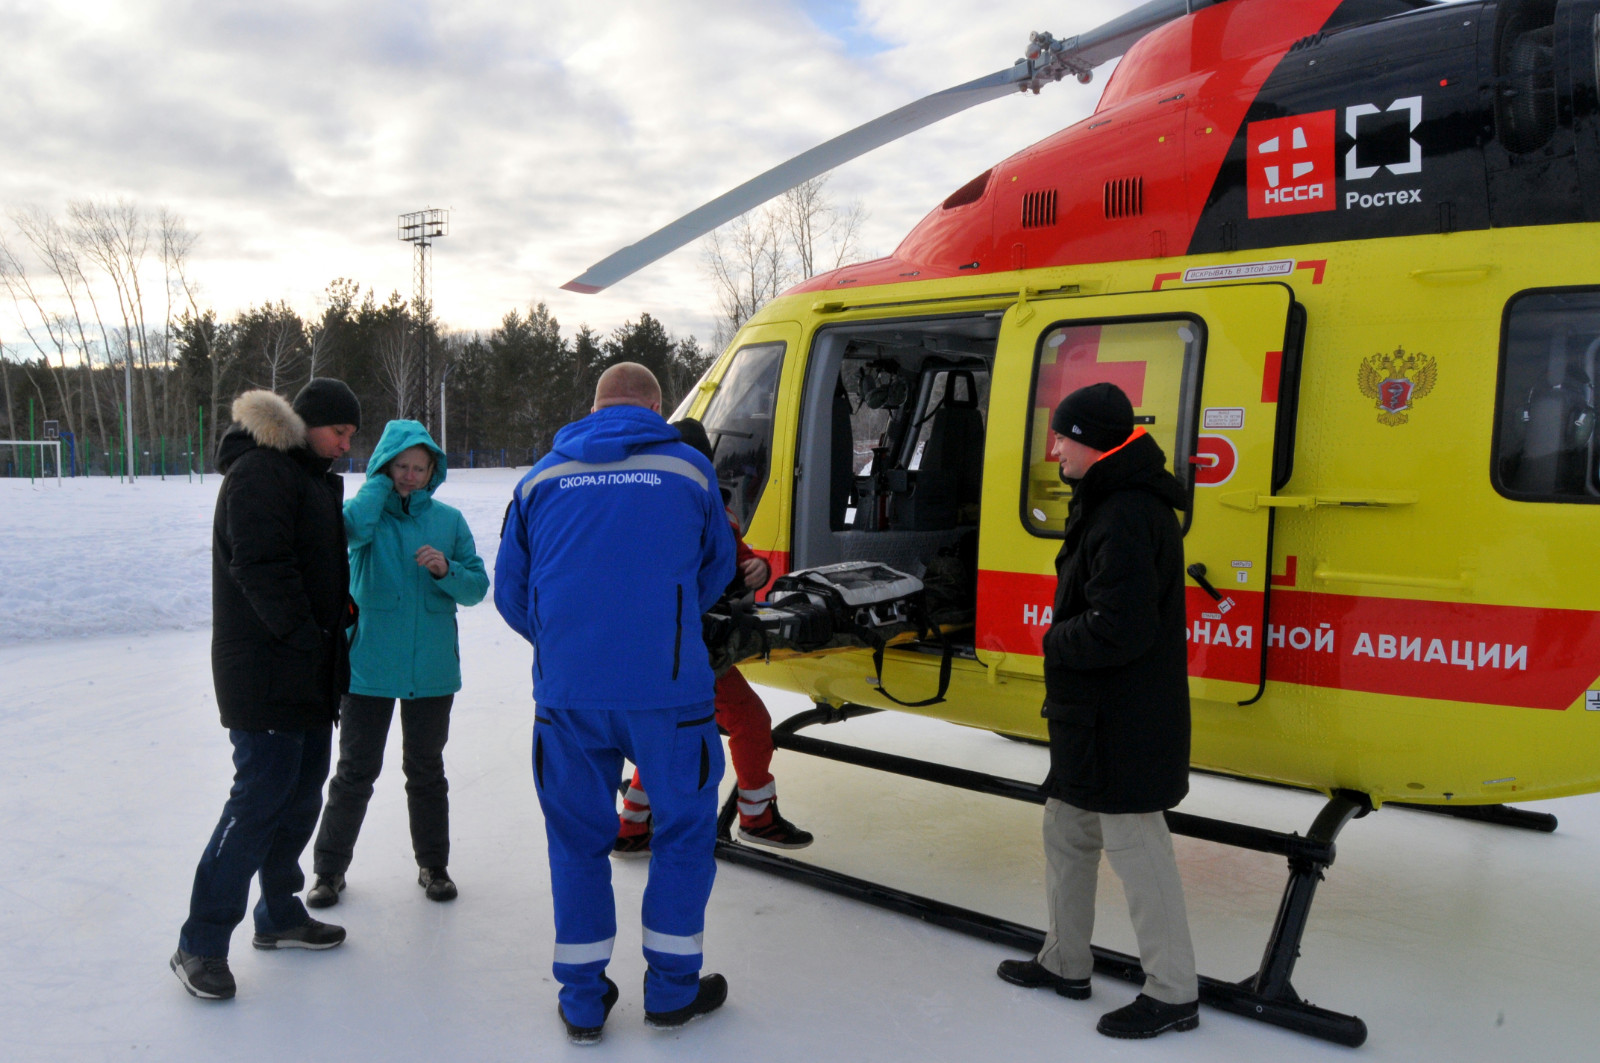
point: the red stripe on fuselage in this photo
(1528, 657)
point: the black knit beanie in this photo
(327, 401)
(1098, 416)
(694, 434)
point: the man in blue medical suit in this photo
(613, 546)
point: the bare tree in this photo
(397, 364)
(116, 238)
(746, 261)
(176, 243)
(757, 255)
(5, 377)
(822, 235)
(281, 343)
(220, 357)
(56, 333)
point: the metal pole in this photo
(444, 434)
(127, 397)
(200, 415)
(30, 436)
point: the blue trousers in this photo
(577, 763)
(265, 825)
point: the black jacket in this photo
(280, 575)
(1115, 659)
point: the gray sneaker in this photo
(308, 935)
(206, 977)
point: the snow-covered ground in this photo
(1454, 941)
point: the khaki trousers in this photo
(1140, 848)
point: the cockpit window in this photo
(1545, 448)
(739, 422)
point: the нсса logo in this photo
(1290, 167)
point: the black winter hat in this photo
(327, 401)
(694, 434)
(1098, 416)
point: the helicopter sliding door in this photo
(1202, 368)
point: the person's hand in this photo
(754, 570)
(432, 560)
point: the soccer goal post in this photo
(53, 444)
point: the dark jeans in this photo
(363, 731)
(269, 816)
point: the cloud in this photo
(291, 135)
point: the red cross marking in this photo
(1078, 364)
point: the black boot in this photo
(1147, 1016)
(325, 894)
(1031, 974)
(590, 1035)
(436, 880)
(713, 991)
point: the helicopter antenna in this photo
(1047, 60)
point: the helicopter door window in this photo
(739, 421)
(1545, 448)
(1148, 359)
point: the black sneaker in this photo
(1147, 1016)
(206, 977)
(436, 880)
(778, 833)
(325, 894)
(308, 935)
(1031, 974)
(713, 991)
(590, 1035)
(632, 846)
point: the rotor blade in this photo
(1106, 42)
(1049, 60)
(819, 160)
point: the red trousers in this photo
(742, 714)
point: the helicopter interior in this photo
(895, 417)
(1546, 446)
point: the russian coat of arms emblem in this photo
(1394, 382)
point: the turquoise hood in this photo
(403, 435)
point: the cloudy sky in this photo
(291, 134)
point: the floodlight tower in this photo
(421, 228)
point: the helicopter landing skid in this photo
(1266, 996)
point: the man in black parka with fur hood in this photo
(1117, 701)
(280, 596)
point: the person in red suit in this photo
(741, 714)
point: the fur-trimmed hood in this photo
(261, 419)
(269, 419)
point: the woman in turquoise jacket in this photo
(412, 563)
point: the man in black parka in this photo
(280, 592)
(1117, 701)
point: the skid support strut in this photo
(1267, 996)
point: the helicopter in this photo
(1341, 255)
